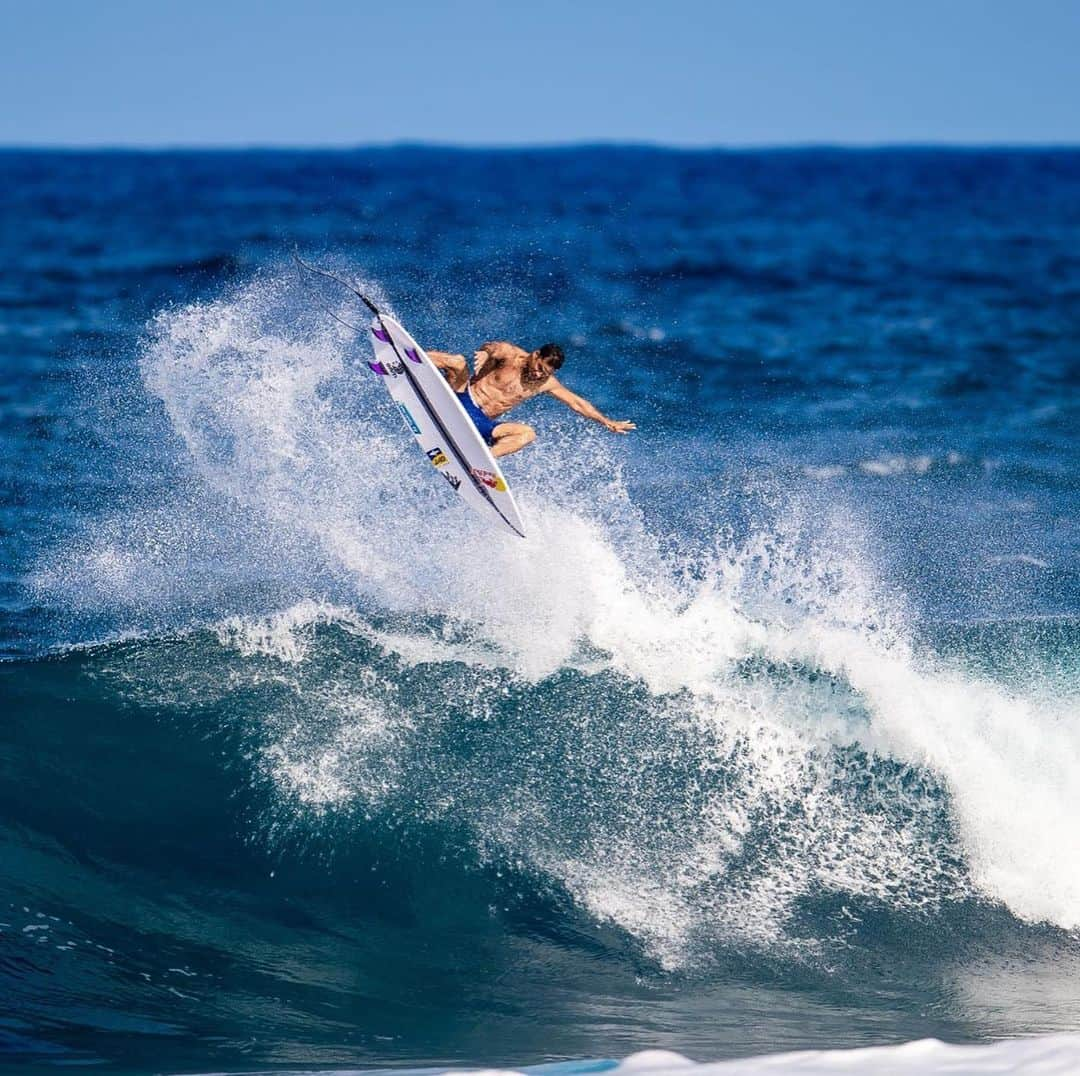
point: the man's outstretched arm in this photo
(583, 407)
(454, 366)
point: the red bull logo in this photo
(492, 481)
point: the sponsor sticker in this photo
(490, 480)
(387, 369)
(409, 420)
(437, 456)
(451, 478)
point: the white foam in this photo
(286, 636)
(1051, 1055)
(887, 466)
(1046, 1055)
(825, 472)
(1026, 559)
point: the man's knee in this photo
(514, 431)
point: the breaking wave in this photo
(718, 735)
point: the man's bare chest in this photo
(509, 384)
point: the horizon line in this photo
(539, 146)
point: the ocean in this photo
(767, 737)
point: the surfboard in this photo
(442, 428)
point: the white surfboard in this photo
(441, 426)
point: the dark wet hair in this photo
(554, 354)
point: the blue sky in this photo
(688, 72)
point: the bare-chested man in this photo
(505, 376)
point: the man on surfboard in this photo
(504, 376)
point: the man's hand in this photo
(458, 379)
(582, 406)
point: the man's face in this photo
(539, 369)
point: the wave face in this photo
(766, 737)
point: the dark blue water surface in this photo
(768, 734)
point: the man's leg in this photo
(511, 437)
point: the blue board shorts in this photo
(485, 425)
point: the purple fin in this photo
(377, 367)
(380, 334)
(412, 353)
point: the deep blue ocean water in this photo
(767, 737)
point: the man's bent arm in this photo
(456, 367)
(490, 356)
(583, 407)
(503, 349)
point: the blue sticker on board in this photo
(409, 419)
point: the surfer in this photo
(504, 376)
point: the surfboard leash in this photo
(340, 280)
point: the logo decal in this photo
(387, 368)
(437, 456)
(409, 420)
(490, 480)
(451, 478)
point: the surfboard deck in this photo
(440, 425)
